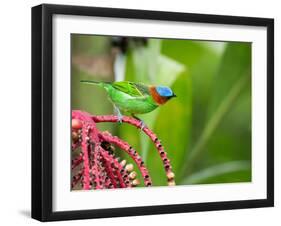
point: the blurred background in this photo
(206, 130)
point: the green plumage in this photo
(129, 97)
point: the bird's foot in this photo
(119, 115)
(142, 124)
(119, 118)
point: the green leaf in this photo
(201, 60)
(232, 80)
(214, 173)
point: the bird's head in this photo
(161, 94)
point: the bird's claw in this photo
(119, 119)
(142, 125)
(119, 115)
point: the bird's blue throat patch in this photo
(164, 91)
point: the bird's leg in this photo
(142, 124)
(119, 115)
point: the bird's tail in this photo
(94, 82)
(90, 82)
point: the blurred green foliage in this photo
(206, 130)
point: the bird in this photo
(134, 98)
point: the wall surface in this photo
(15, 117)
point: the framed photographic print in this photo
(146, 112)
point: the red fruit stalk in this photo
(96, 167)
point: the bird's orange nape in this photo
(156, 97)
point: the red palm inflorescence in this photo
(94, 164)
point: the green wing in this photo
(131, 88)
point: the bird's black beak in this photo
(172, 96)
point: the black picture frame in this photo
(42, 107)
